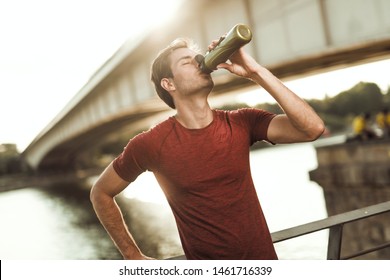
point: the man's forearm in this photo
(300, 114)
(111, 218)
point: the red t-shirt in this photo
(206, 178)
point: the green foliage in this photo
(386, 97)
(338, 111)
(273, 108)
(336, 123)
(363, 97)
(233, 106)
(10, 161)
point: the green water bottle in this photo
(237, 37)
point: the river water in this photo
(58, 222)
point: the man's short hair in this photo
(161, 67)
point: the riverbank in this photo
(22, 180)
(61, 222)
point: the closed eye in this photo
(185, 60)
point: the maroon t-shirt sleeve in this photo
(257, 122)
(129, 164)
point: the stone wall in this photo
(355, 175)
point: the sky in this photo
(49, 50)
(330, 83)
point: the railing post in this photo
(334, 243)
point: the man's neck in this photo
(194, 116)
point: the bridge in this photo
(291, 38)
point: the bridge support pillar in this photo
(356, 175)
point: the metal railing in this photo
(335, 225)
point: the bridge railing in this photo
(335, 225)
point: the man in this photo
(382, 120)
(362, 129)
(200, 157)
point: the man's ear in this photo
(167, 84)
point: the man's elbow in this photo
(95, 195)
(316, 131)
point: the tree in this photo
(386, 98)
(363, 97)
(10, 161)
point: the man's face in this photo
(187, 77)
